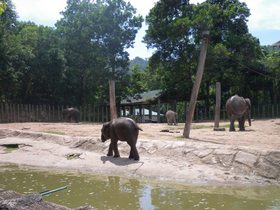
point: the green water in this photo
(112, 192)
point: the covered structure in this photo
(144, 107)
(276, 45)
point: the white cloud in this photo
(265, 14)
(45, 12)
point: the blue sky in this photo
(264, 22)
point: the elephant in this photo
(171, 117)
(238, 108)
(123, 129)
(71, 114)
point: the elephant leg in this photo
(241, 122)
(110, 151)
(115, 148)
(131, 154)
(231, 128)
(134, 151)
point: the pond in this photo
(113, 192)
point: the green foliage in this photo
(94, 38)
(69, 64)
(2, 7)
(139, 62)
(7, 27)
(175, 31)
(271, 63)
(72, 63)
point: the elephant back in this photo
(236, 105)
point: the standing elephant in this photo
(171, 117)
(71, 114)
(239, 109)
(123, 129)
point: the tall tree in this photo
(38, 64)
(95, 36)
(175, 30)
(7, 27)
(271, 64)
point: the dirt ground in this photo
(262, 135)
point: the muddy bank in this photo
(189, 162)
(12, 200)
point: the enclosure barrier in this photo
(50, 113)
(101, 113)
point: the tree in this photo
(271, 63)
(139, 62)
(175, 31)
(95, 36)
(2, 7)
(7, 27)
(37, 63)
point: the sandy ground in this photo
(59, 142)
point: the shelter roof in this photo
(148, 97)
(277, 44)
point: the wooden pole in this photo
(158, 111)
(196, 86)
(218, 105)
(218, 108)
(113, 110)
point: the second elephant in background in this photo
(171, 117)
(71, 114)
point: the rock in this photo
(210, 159)
(245, 158)
(274, 158)
(203, 153)
(225, 160)
(265, 169)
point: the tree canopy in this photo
(233, 58)
(72, 62)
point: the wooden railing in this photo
(49, 113)
(100, 113)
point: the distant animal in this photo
(123, 129)
(171, 117)
(238, 108)
(71, 114)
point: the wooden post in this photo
(150, 113)
(158, 111)
(113, 110)
(218, 108)
(196, 86)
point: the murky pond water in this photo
(112, 192)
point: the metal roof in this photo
(277, 44)
(142, 98)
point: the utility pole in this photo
(113, 110)
(196, 86)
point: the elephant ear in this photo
(248, 102)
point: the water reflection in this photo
(112, 192)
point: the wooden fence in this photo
(49, 113)
(263, 111)
(100, 113)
